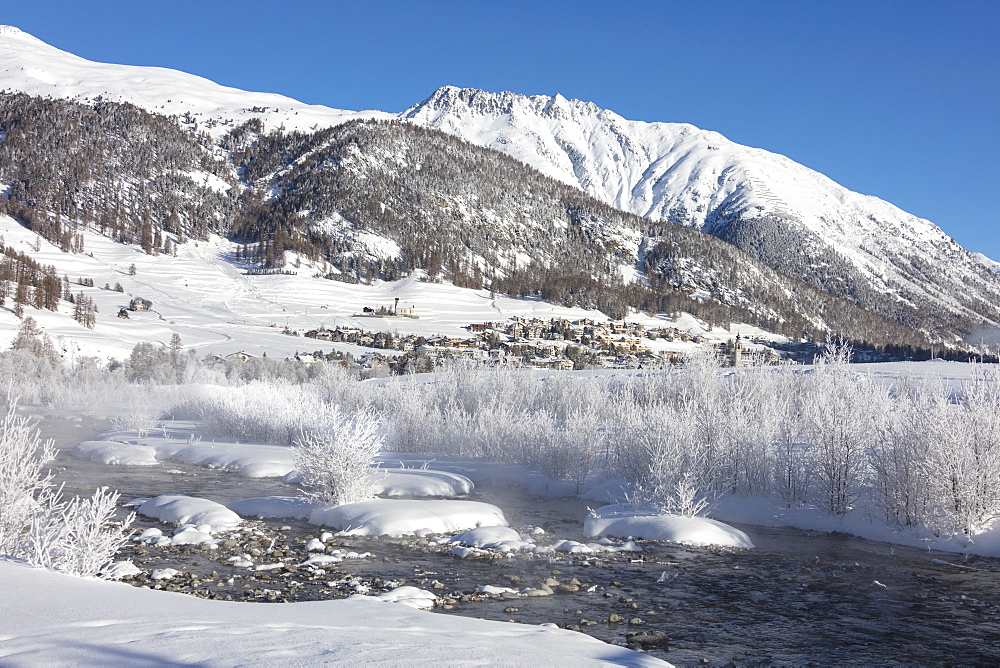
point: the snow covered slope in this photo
(992, 265)
(203, 296)
(791, 217)
(31, 66)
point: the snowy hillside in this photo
(204, 296)
(990, 264)
(791, 217)
(31, 66)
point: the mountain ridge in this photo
(764, 204)
(32, 66)
(795, 219)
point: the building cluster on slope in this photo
(548, 344)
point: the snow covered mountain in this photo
(791, 217)
(29, 65)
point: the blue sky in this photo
(895, 99)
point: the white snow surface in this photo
(114, 452)
(623, 520)
(267, 507)
(414, 597)
(990, 264)
(58, 620)
(767, 512)
(488, 537)
(250, 460)
(30, 65)
(417, 482)
(398, 517)
(121, 569)
(181, 509)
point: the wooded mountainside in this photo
(380, 199)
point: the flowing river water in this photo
(799, 598)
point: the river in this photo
(799, 598)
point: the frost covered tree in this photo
(31, 339)
(680, 476)
(837, 411)
(335, 459)
(22, 483)
(973, 466)
(37, 524)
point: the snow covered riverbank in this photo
(52, 619)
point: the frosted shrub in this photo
(137, 420)
(972, 465)
(791, 469)
(920, 422)
(86, 383)
(838, 408)
(335, 384)
(456, 431)
(501, 434)
(22, 456)
(335, 460)
(623, 456)
(90, 536)
(36, 524)
(413, 426)
(76, 536)
(753, 402)
(261, 411)
(568, 397)
(568, 449)
(678, 479)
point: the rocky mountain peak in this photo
(455, 100)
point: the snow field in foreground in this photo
(57, 620)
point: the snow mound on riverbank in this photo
(765, 512)
(399, 517)
(255, 460)
(500, 538)
(187, 510)
(623, 520)
(422, 482)
(251, 460)
(604, 545)
(414, 597)
(180, 444)
(53, 619)
(115, 453)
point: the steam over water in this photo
(800, 597)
